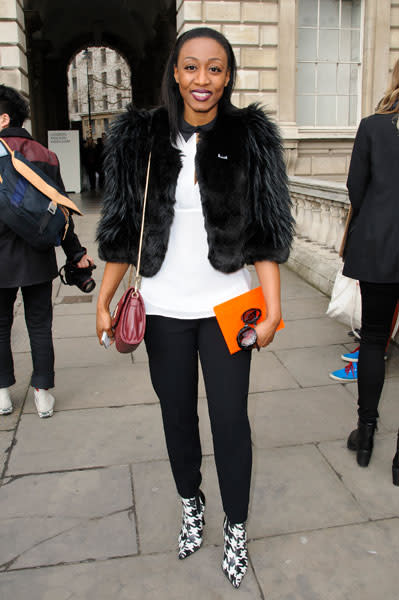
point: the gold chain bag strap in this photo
(128, 319)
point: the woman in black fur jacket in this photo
(217, 200)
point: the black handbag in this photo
(31, 204)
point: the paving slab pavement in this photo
(88, 507)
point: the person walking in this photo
(372, 256)
(217, 199)
(22, 266)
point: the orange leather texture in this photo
(228, 315)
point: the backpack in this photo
(31, 204)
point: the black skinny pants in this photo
(38, 317)
(378, 307)
(173, 346)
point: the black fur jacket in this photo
(242, 180)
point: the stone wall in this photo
(13, 63)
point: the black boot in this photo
(361, 441)
(395, 465)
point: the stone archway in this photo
(55, 30)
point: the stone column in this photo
(376, 58)
(13, 63)
(287, 81)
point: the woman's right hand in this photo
(103, 323)
(113, 275)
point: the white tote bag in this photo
(346, 304)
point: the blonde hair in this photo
(389, 103)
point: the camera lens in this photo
(88, 285)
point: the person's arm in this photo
(269, 278)
(73, 249)
(113, 275)
(359, 169)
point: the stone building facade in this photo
(102, 77)
(268, 37)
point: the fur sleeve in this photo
(271, 224)
(125, 159)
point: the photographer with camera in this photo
(21, 266)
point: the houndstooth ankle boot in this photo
(235, 557)
(190, 538)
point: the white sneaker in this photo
(5, 402)
(44, 403)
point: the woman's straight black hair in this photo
(171, 97)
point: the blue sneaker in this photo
(354, 356)
(346, 375)
(351, 356)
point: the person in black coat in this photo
(21, 266)
(372, 255)
(217, 199)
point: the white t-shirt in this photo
(187, 286)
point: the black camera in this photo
(72, 275)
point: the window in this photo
(105, 103)
(106, 124)
(104, 78)
(118, 75)
(90, 78)
(119, 100)
(328, 63)
(74, 63)
(74, 84)
(103, 56)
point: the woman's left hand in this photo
(265, 332)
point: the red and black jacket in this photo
(20, 264)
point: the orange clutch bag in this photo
(229, 315)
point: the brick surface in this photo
(259, 57)
(242, 34)
(266, 12)
(248, 80)
(269, 35)
(222, 11)
(268, 80)
(189, 11)
(13, 56)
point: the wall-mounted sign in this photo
(66, 146)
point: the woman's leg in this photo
(39, 319)
(173, 358)
(227, 380)
(7, 299)
(378, 306)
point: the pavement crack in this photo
(6, 566)
(134, 511)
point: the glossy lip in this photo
(206, 95)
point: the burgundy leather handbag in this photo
(128, 319)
